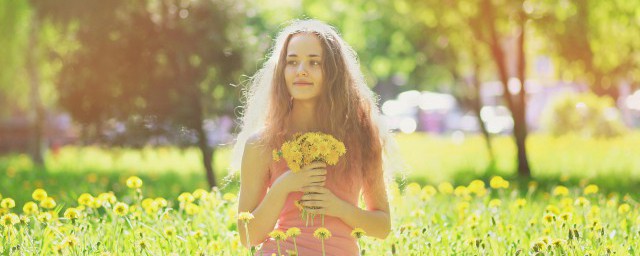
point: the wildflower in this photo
(142, 244)
(48, 203)
(107, 197)
(134, 182)
(549, 218)
(445, 188)
(520, 202)
(624, 208)
(7, 203)
(161, 202)
(560, 191)
(192, 209)
(566, 216)
(591, 189)
(429, 190)
(199, 193)
(581, 201)
(358, 233)
(170, 231)
(85, 199)
(322, 233)
(412, 189)
(72, 213)
(39, 194)
(552, 209)
(278, 235)
(495, 203)
(45, 217)
(186, 197)
(461, 191)
(30, 208)
(121, 209)
(293, 232)
(498, 182)
(9, 219)
(245, 216)
(229, 197)
(70, 241)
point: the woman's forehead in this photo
(304, 44)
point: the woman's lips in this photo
(302, 83)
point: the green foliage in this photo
(585, 114)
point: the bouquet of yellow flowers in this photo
(309, 147)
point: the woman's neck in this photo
(303, 116)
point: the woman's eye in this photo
(315, 63)
(292, 62)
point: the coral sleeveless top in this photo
(340, 243)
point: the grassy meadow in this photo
(582, 201)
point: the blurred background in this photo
(92, 92)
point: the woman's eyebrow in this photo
(310, 55)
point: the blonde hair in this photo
(347, 102)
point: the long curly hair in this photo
(346, 109)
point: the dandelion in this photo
(200, 193)
(294, 232)
(45, 217)
(142, 244)
(121, 209)
(429, 191)
(498, 182)
(186, 197)
(495, 203)
(520, 202)
(278, 236)
(591, 189)
(560, 191)
(107, 197)
(170, 231)
(192, 209)
(134, 182)
(245, 217)
(581, 201)
(85, 199)
(358, 233)
(72, 214)
(552, 209)
(7, 203)
(322, 234)
(30, 208)
(198, 234)
(70, 241)
(39, 194)
(48, 203)
(549, 218)
(445, 188)
(9, 219)
(412, 189)
(624, 208)
(161, 202)
(566, 216)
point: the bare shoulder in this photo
(256, 155)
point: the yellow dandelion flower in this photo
(322, 233)
(72, 213)
(412, 189)
(591, 189)
(520, 202)
(276, 155)
(170, 231)
(445, 188)
(624, 208)
(560, 191)
(7, 203)
(278, 235)
(186, 197)
(549, 218)
(566, 216)
(85, 199)
(30, 208)
(24, 219)
(134, 182)
(108, 197)
(498, 182)
(552, 209)
(495, 203)
(121, 209)
(229, 197)
(245, 216)
(9, 219)
(429, 190)
(45, 217)
(357, 233)
(143, 244)
(199, 193)
(39, 194)
(70, 241)
(461, 191)
(192, 209)
(48, 203)
(198, 234)
(581, 201)
(161, 202)
(293, 232)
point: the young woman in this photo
(311, 82)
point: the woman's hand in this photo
(320, 200)
(313, 174)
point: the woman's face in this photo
(303, 70)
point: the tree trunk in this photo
(477, 107)
(34, 95)
(517, 108)
(207, 156)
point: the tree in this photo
(162, 65)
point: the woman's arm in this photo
(265, 205)
(254, 174)
(375, 220)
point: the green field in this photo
(429, 218)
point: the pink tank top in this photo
(341, 243)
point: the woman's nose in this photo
(302, 70)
